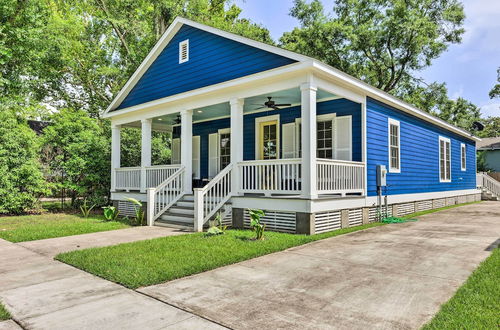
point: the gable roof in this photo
(492, 143)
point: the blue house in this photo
(256, 126)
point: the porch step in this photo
(178, 217)
(182, 210)
(173, 224)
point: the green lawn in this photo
(476, 304)
(4, 314)
(158, 260)
(34, 227)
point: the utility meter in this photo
(381, 176)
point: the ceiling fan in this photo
(272, 105)
(177, 120)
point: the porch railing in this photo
(339, 176)
(129, 178)
(165, 195)
(282, 176)
(483, 180)
(209, 199)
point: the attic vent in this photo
(184, 51)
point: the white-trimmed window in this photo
(184, 51)
(463, 157)
(444, 159)
(394, 146)
(224, 148)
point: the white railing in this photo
(157, 174)
(339, 176)
(165, 195)
(486, 181)
(128, 178)
(209, 199)
(282, 176)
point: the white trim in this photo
(257, 133)
(364, 151)
(328, 117)
(445, 140)
(463, 155)
(394, 122)
(336, 137)
(182, 44)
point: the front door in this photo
(268, 140)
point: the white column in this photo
(145, 150)
(187, 148)
(115, 153)
(364, 146)
(236, 141)
(308, 138)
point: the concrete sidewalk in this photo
(53, 246)
(41, 293)
(389, 277)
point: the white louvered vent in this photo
(462, 199)
(438, 203)
(373, 213)
(450, 201)
(275, 220)
(327, 221)
(126, 208)
(406, 208)
(423, 205)
(184, 51)
(228, 217)
(355, 217)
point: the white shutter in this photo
(288, 138)
(176, 151)
(343, 138)
(213, 155)
(196, 157)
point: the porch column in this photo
(115, 153)
(187, 148)
(308, 139)
(145, 150)
(236, 141)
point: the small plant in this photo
(86, 209)
(110, 213)
(139, 211)
(216, 227)
(258, 227)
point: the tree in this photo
(491, 127)
(381, 42)
(495, 91)
(460, 112)
(131, 147)
(21, 178)
(78, 154)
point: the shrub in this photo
(216, 227)
(86, 208)
(139, 211)
(111, 213)
(258, 227)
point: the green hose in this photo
(396, 220)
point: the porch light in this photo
(199, 111)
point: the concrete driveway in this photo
(390, 277)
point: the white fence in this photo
(338, 176)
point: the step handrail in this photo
(166, 194)
(209, 199)
(486, 181)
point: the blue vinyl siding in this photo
(419, 154)
(341, 107)
(212, 59)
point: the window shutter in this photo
(213, 155)
(288, 144)
(176, 151)
(343, 138)
(196, 157)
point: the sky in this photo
(468, 69)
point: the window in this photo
(225, 150)
(324, 131)
(463, 161)
(444, 160)
(184, 51)
(394, 146)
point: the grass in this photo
(34, 227)
(159, 260)
(4, 314)
(476, 304)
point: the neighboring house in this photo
(309, 159)
(491, 148)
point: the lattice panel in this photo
(126, 208)
(439, 203)
(423, 205)
(327, 221)
(275, 220)
(355, 217)
(406, 208)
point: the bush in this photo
(21, 177)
